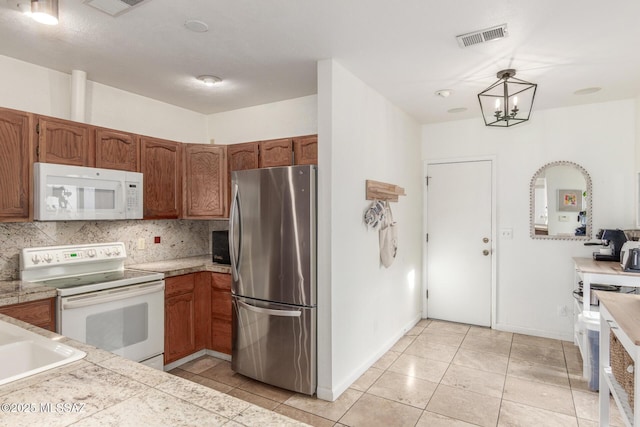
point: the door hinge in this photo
(426, 181)
(38, 152)
(427, 294)
(426, 237)
(37, 127)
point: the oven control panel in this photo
(32, 258)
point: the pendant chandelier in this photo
(508, 101)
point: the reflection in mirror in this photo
(560, 197)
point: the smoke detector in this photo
(114, 7)
(482, 36)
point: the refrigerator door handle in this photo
(235, 211)
(270, 312)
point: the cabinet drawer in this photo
(40, 313)
(179, 285)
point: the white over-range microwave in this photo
(65, 193)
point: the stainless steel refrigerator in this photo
(272, 240)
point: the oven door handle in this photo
(102, 297)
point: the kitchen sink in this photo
(24, 353)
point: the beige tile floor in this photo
(439, 374)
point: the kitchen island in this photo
(106, 389)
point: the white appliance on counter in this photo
(99, 301)
(63, 193)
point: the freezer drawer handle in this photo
(113, 295)
(270, 312)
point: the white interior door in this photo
(459, 248)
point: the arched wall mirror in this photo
(560, 202)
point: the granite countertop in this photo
(177, 267)
(104, 389)
(17, 291)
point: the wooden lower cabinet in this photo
(40, 313)
(197, 314)
(179, 317)
(221, 313)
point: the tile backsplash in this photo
(179, 238)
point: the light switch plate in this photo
(506, 233)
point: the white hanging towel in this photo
(388, 236)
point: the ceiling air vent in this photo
(114, 7)
(481, 36)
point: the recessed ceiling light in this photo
(457, 110)
(209, 80)
(443, 93)
(196, 26)
(587, 91)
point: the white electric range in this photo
(99, 301)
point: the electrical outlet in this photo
(141, 244)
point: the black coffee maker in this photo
(613, 239)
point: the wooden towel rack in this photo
(377, 190)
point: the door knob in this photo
(485, 252)
(485, 239)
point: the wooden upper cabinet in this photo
(65, 142)
(204, 181)
(243, 156)
(305, 150)
(117, 150)
(16, 155)
(275, 152)
(161, 162)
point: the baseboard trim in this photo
(535, 332)
(331, 394)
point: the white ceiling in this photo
(266, 50)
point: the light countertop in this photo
(625, 309)
(177, 267)
(589, 265)
(104, 389)
(18, 291)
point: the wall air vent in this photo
(114, 7)
(482, 36)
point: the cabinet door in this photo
(243, 156)
(161, 166)
(305, 150)
(117, 150)
(221, 313)
(41, 313)
(204, 181)
(179, 317)
(15, 165)
(202, 292)
(65, 142)
(276, 152)
(180, 340)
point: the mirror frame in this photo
(538, 174)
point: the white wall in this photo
(535, 277)
(40, 90)
(363, 308)
(283, 119)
